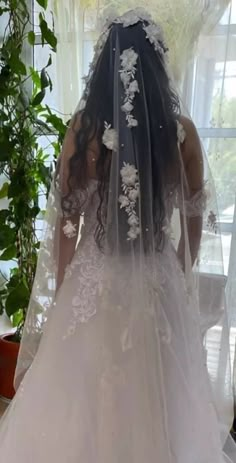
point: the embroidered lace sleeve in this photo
(193, 207)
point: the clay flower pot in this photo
(8, 357)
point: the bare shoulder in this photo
(190, 129)
(192, 155)
(192, 144)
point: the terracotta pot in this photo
(8, 357)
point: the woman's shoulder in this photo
(189, 127)
(191, 146)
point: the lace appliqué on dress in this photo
(88, 267)
(195, 206)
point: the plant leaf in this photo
(7, 237)
(4, 191)
(9, 253)
(43, 3)
(38, 98)
(31, 37)
(17, 318)
(44, 79)
(35, 77)
(47, 34)
(17, 299)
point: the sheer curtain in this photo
(210, 94)
(78, 21)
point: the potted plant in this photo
(23, 118)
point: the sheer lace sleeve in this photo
(195, 206)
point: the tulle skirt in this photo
(91, 397)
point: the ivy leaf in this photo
(17, 299)
(17, 318)
(9, 253)
(47, 34)
(43, 3)
(7, 236)
(45, 82)
(38, 98)
(4, 191)
(3, 10)
(31, 37)
(4, 215)
(17, 66)
(49, 61)
(57, 123)
(35, 77)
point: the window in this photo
(212, 100)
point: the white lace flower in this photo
(69, 229)
(133, 220)
(181, 134)
(155, 36)
(133, 87)
(128, 69)
(128, 59)
(131, 121)
(125, 78)
(133, 17)
(130, 188)
(129, 174)
(110, 137)
(127, 107)
(124, 201)
(134, 194)
(133, 233)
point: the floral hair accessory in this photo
(153, 34)
(110, 137)
(127, 74)
(127, 200)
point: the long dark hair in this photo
(163, 111)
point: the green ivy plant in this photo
(23, 118)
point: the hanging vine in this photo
(23, 118)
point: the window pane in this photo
(214, 103)
(225, 18)
(88, 51)
(233, 13)
(221, 154)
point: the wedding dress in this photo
(115, 364)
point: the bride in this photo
(112, 366)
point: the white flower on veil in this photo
(155, 36)
(110, 137)
(69, 229)
(133, 220)
(124, 201)
(128, 64)
(128, 60)
(127, 107)
(129, 174)
(133, 17)
(130, 188)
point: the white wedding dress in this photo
(90, 396)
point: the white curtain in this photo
(77, 25)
